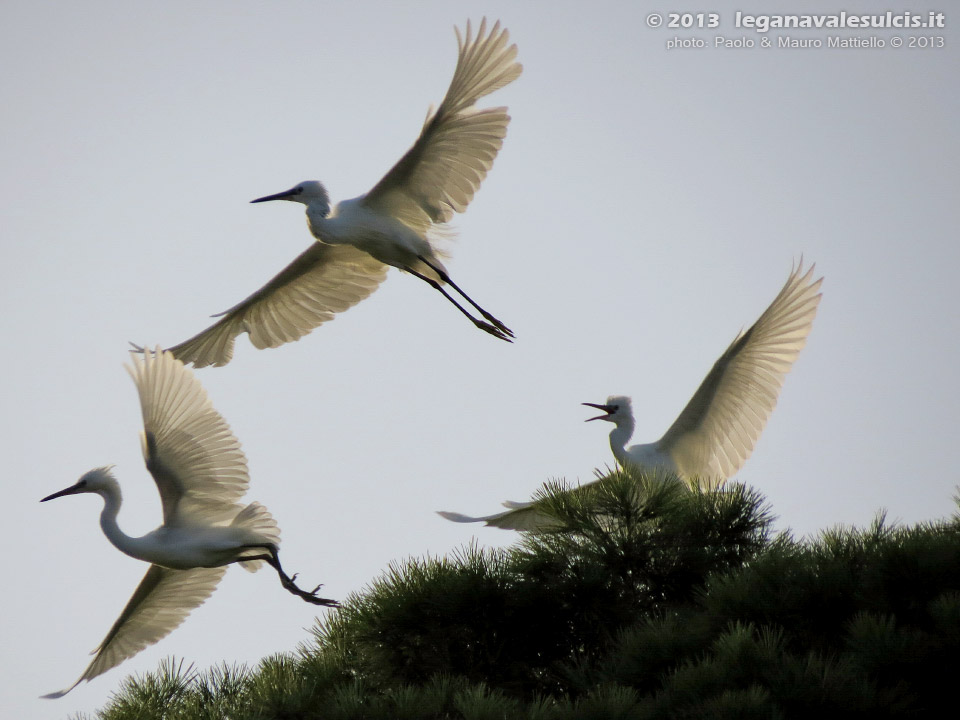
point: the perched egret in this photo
(717, 430)
(201, 473)
(394, 224)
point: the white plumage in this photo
(717, 430)
(201, 474)
(394, 224)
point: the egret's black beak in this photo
(72, 490)
(286, 194)
(607, 409)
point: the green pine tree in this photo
(644, 600)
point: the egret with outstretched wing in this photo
(396, 224)
(201, 474)
(717, 430)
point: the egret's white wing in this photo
(188, 447)
(322, 281)
(159, 604)
(458, 143)
(716, 432)
(521, 516)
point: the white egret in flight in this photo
(394, 224)
(717, 430)
(201, 474)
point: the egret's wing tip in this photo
(156, 351)
(456, 517)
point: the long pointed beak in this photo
(72, 490)
(607, 409)
(276, 196)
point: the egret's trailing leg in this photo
(273, 560)
(446, 278)
(486, 327)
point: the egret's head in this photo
(309, 192)
(616, 409)
(98, 481)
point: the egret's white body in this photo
(395, 224)
(382, 236)
(185, 548)
(201, 473)
(717, 430)
(656, 455)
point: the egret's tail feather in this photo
(257, 518)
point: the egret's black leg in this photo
(273, 560)
(496, 331)
(446, 278)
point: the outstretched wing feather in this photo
(322, 281)
(440, 174)
(717, 430)
(194, 457)
(162, 601)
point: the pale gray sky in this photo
(647, 204)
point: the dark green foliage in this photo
(517, 620)
(427, 617)
(754, 665)
(149, 696)
(644, 600)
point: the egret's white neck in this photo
(112, 500)
(619, 437)
(318, 217)
(317, 211)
